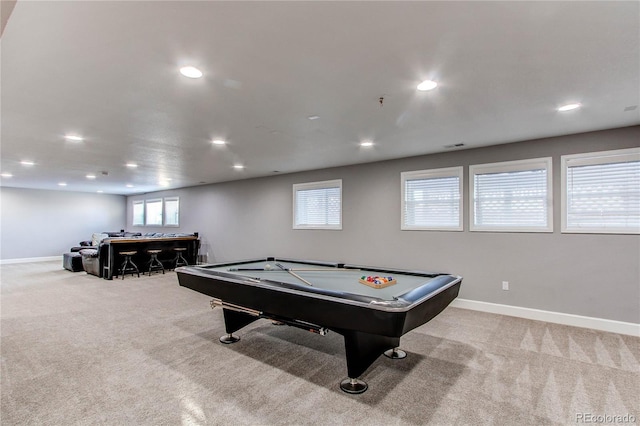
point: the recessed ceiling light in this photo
(27, 163)
(132, 165)
(366, 144)
(7, 175)
(99, 191)
(218, 142)
(238, 166)
(129, 185)
(427, 85)
(62, 184)
(74, 138)
(191, 72)
(313, 117)
(569, 107)
(91, 176)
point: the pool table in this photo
(322, 296)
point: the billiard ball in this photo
(267, 267)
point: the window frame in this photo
(164, 212)
(588, 159)
(512, 167)
(457, 171)
(327, 184)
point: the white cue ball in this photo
(267, 267)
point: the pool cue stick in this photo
(247, 269)
(328, 269)
(294, 274)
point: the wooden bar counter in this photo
(112, 246)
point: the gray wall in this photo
(38, 223)
(584, 274)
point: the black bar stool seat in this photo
(128, 265)
(154, 264)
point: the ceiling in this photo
(108, 71)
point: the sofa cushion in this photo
(96, 239)
(114, 234)
(89, 252)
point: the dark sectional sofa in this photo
(86, 255)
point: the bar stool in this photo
(128, 265)
(179, 260)
(154, 264)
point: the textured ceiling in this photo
(109, 71)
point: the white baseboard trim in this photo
(30, 260)
(601, 324)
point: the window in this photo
(172, 211)
(138, 213)
(601, 192)
(317, 205)
(514, 196)
(432, 199)
(153, 212)
(157, 212)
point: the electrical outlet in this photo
(505, 285)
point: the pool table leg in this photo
(234, 321)
(395, 353)
(350, 385)
(362, 349)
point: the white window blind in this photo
(318, 205)
(153, 212)
(513, 196)
(172, 211)
(601, 192)
(138, 213)
(431, 199)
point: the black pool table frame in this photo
(370, 326)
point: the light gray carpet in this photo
(77, 349)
